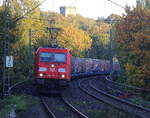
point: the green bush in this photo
(19, 103)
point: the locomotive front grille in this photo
(52, 75)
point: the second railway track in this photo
(100, 94)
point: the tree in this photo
(144, 3)
(100, 35)
(132, 38)
(19, 33)
(93, 28)
(77, 41)
(10, 33)
(31, 21)
(82, 23)
(112, 17)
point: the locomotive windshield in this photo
(53, 57)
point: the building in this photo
(66, 11)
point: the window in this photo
(53, 57)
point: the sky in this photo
(90, 8)
(1, 2)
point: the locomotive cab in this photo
(52, 67)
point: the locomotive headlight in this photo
(52, 65)
(41, 74)
(63, 76)
(42, 69)
(61, 70)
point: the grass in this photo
(82, 103)
(61, 109)
(140, 101)
(19, 103)
(85, 103)
(98, 113)
(108, 113)
(136, 100)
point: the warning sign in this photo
(9, 61)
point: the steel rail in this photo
(111, 103)
(126, 89)
(15, 85)
(115, 90)
(97, 98)
(81, 115)
(50, 113)
(120, 84)
(141, 110)
(90, 94)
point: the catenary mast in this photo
(6, 44)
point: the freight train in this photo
(54, 66)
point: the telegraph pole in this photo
(111, 52)
(7, 60)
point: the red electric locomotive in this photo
(52, 67)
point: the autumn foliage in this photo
(132, 36)
(74, 39)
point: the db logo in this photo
(52, 69)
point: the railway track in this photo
(128, 92)
(48, 110)
(72, 111)
(80, 114)
(65, 107)
(13, 87)
(110, 89)
(101, 94)
(127, 88)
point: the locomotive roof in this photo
(48, 47)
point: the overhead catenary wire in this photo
(73, 2)
(28, 12)
(116, 4)
(24, 16)
(105, 20)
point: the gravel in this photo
(80, 100)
